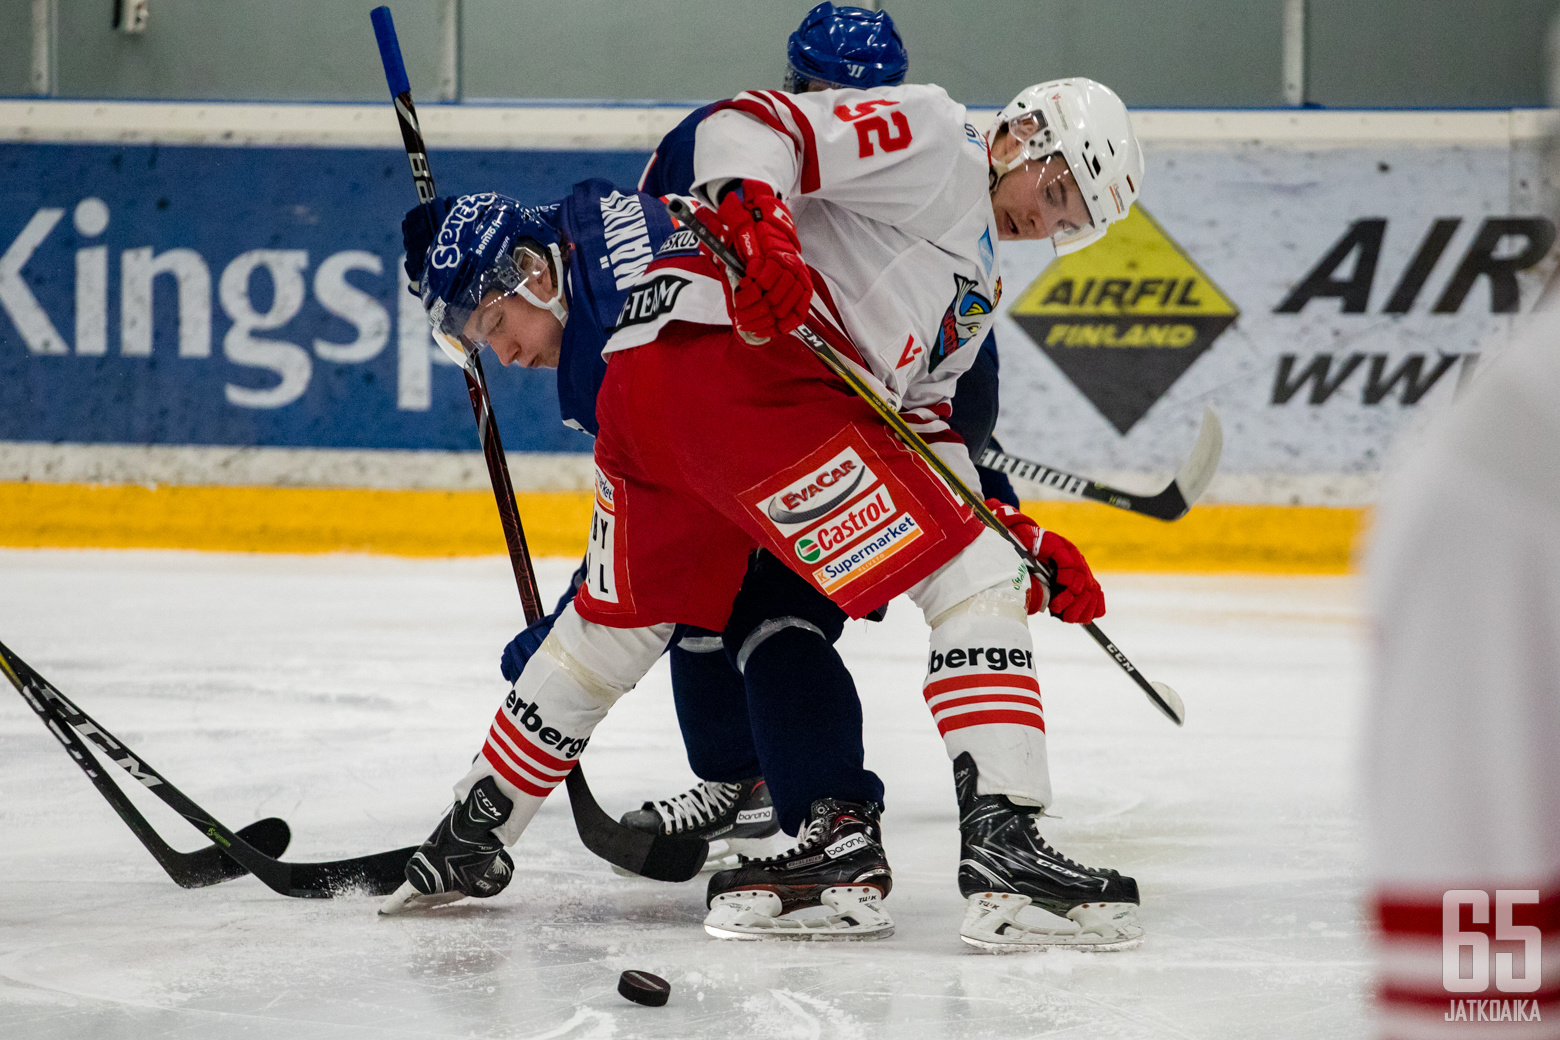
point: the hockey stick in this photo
(207, 866)
(656, 856)
(378, 874)
(1170, 504)
(816, 334)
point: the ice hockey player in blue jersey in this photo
(565, 299)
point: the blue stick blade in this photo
(390, 52)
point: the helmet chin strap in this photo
(557, 306)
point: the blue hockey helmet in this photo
(845, 47)
(489, 242)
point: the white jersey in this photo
(1463, 738)
(890, 191)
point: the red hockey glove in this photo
(1078, 598)
(773, 297)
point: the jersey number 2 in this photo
(870, 126)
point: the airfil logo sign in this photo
(1123, 319)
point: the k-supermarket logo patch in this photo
(1124, 318)
(898, 533)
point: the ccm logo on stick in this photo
(998, 659)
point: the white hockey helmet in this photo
(1087, 125)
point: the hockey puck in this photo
(644, 988)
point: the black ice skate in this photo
(739, 815)
(461, 858)
(838, 863)
(1005, 866)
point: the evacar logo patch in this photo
(1124, 318)
(819, 492)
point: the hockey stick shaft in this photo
(476, 381)
(820, 335)
(207, 866)
(379, 874)
(661, 857)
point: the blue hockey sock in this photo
(806, 724)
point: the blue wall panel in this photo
(65, 374)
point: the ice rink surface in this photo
(346, 694)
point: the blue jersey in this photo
(670, 171)
(612, 236)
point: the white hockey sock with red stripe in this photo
(545, 722)
(981, 689)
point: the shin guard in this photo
(547, 719)
(982, 691)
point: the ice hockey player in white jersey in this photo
(1463, 732)
(714, 420)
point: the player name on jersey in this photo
(1124, 318)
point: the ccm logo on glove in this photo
(531, 719)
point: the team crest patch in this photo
(965, 319)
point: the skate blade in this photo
(727, 853)
(993, 924)
(755, 915)
(407, 900)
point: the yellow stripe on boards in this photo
(293, 520)
(1212, 538)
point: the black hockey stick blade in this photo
(378, 874)
(659, 857)
(1172, 503)
(198, 869)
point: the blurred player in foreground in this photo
(1463, 773)
(899, 204)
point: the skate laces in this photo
(1032, 815)
(1050, 850)
(812, 835)
(699, 806)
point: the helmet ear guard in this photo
(1087, 125)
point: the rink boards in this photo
(206, 300)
